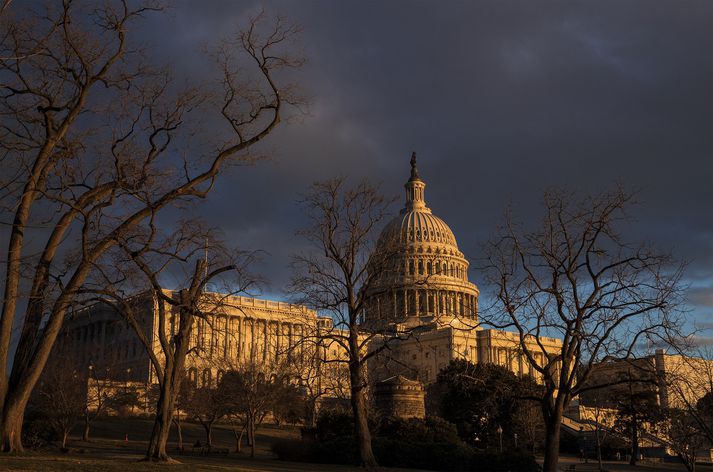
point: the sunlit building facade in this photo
(424, 306)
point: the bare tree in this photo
(61, 399)
(104, 395)
(207, 405)
(337, 276)
(575, 277)
(685, 436)
(320, 377)
(688, 381)
(601, 423)
(89, 140)
(178, 312)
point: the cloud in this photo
(701, 296)
(500, 99)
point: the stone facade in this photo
(424, 306)
(232, 331)
(674, 381)
(400, 397)
(421, 290)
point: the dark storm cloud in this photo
(500, 100)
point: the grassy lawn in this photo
(88, 463)
(108, 451)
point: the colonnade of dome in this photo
(422, 276)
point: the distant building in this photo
(232, 331)
(671, 381)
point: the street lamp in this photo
(515, 440)
(500, 435)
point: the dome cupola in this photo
(423, 277)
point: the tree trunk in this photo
(179, 432)
(252, 439)
(599, 448)
(208, 433)
(173, 371)
(11, 432)
(65, 433)
(361, 423)
(163, 423)
(634, 439)
(250, 436)
(239, 439)
(552, 440)
(85, 434)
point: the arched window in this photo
(429, 268)
(411, 269)
(420, 267)
(445, 269)
(193, 376)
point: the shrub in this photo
(507, 462)
(294, 450)
(36, 431)
(424, 444)
(333, 424)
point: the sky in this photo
(500, 99)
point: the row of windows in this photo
(437, 268)
(422, 302)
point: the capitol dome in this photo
(421, 276)
(412, 226)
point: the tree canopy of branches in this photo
(60, 398)
(93, 143)
(576, 278)
(335, 278)
(143, 259)
(253, 390)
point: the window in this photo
(420, 267)
(429, 268)
(411, 270)
(206, 379)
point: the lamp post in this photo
(500, 436)
(515, 440)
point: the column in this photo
(266, 338)
(416, 301)
(405, 302)
(252, 339)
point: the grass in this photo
(108, 451)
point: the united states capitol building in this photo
(426, 294)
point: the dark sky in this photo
(500, 99)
